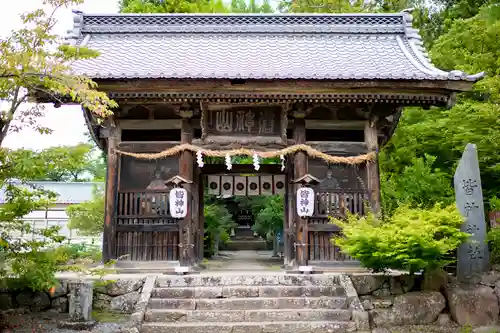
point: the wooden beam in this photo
(372, 168)
(325, 124)
(111, 196)
(300, 169)
(186, 165)
(146, 146)
(155, 124)
(213, 169)
(282, 86)
(339, 147)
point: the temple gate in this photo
(324, 92)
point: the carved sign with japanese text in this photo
(245, 121)
(473, 256)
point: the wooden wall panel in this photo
(137, 174)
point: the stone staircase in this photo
(252, 303)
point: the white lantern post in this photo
(178, 205)
(305, 202)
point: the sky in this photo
(67, 123)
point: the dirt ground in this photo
(46, 322)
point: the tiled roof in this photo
(211, 46)
(68, 193)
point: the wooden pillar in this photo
(111, 194)
(201, 217)
(186, 164)
(300, 169)
(288, 230)
(372, 168)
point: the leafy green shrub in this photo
(218, 221)
(88, 217)
(412, 239)
(269, 219)
(82, 251)
(495, 204)
(494, 244)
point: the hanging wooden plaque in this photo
(244, 125)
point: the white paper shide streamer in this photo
(229, 165)
(256, 163)
(199, 159)
(282, 158)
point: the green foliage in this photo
(218, 221)
(417, 185)
(194, 6)
(494, 204)
(412, 239)
(88, 217)
(269, 219)
(494, 245)
(34, 57)
(27, 259)
(72, 164)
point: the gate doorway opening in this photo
(244, 217)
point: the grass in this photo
(109, 317)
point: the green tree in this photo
(269, 220)
(194, 6)
(218, 222)
(88, 217)
(70, 163)
(34, 61)
(418, 185)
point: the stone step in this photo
(247, 315)
(247, 245)
(249, 303)
(248, 280)
(250, 327)
(248, 291)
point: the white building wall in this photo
(56, 216)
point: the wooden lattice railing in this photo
(144, 228)
(332, 203)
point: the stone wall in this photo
(394, 300)
(115, 296)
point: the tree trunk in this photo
(216, 243)
(275, 245)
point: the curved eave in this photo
(93, 128)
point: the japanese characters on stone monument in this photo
(80, 301)
(473, 256)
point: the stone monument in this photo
(80, 306)
(473, 256)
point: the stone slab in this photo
(250, 303)
(248, 291)
(473, 256)
(80, 301)
(257, 327)
(248, 280)
(260, 315)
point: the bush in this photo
(412, 239)
(218, 221)
(494, 245)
